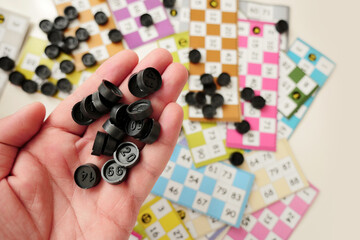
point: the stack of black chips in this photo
(131, 120)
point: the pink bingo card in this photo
(258, 69)
(278, 220)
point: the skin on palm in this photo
(37, 160)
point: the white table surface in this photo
(326, 141)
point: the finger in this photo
(115, 70)
(16, 130)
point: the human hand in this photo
(38, 196)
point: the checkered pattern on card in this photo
(179, 16)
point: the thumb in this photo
(15, 131)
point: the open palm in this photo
(38, 196)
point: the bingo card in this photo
(179, 16)
(135, 236)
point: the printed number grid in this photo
(277, 175)
(218, 234)
(139, 229)
(258, 68)
(277, 221)
(295, 87)
(318, 67)
(99, 43)
(217, 190)
(213, 31)
(267, 13)
(33, 55)
(13, 29)
(179, 16)
(127, 15)
(161, 221)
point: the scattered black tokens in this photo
(67, 66)
(87, 176)
(6, 63)
(258, 102)
(88, 60)
(223, 79)
(217, 100)
(190, 98)
(115, 36)
(140, 109)
(114, 131)
(46, 26)
(127, 154)
(16, 78)
(208, 111)
(210, 89)
(113, 173)
(52, 51)
(236, 158)
(78, 117)
(138, 129)
(282, 26)
(247, 94)
(29, 86)
(63, 47)
(146, 20)
(55, 36)
(118, 115)
(194, 56)
(100, 103)
(153, 133)
(200, 99)
(61, 23)
(110, 146)
(134, 88)
(71, 43)
(242, 127)
(48, 89)
(169, 3)
(64, 85)
(42, 72)
(71, 13)
(206, 79)
(82, 34)
(99, 144)
(110, 92)
(101, 18)
(149, 80)
(88, 109)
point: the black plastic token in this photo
(153, 133)
(71, 13)
(110, 145)
(140, 109)
(208, 111)
(61, 23)
(52, 51)
(200, 99)
(87, 176)
(242, 127)
(146, 20)
(88, 60)
(63, 47)
(115, 36)
(194, 56)
(210, 89)
(110, 92)
(88, 109)
(118, 115)
(113, 173)
(223, 79)
(247, 94)
(16, 78)
(6, 63)
(82, 34)
(46, 26)
(67, 66)
(127, 154)
(48, 89)
(114, 131)
(282, 26)
(101, 18)
(71, 43)
(100, 104)
(42, 72)
(78, 117)
(236, 158)
(169, 3)
(64, 85)
(55, 36)
(137, 129)
(190, 98)
(99, 144)
(258, 102)
(217, 100)
(149, 80)
(134, 88)
(206, 79)
(29, 86)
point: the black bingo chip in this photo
(29, 86)
(140, 109)
(236, 158)
(78, 117)
(146, 20)
(169, 3)
(99, 144)
(16, 78)
(242, 127)
(282, 26)
(210, 89)
(87, 176)
(134, 88)
(100, 104)
(46, 26)
(114, 131)
(88, 60)
(52, 51)
(206, 79)
(63, 47)
(42, 72)
(48, 89)
(82, 34)
(71, 43)
(223, 79)
(258, 102)
(6, 63)
(200, 99)
(110, 92)
(110, 146)
(118, 115)
(55, 36)
(208, 111)
(71, 13)
(113, 173)
(194, 56)
(64, 85)
(100, 18)
(153, 132)
(138, 129)
(127, 154)
(217, 100)
(115, 36)
(149, 80)
(67, 66)
(88, 109)
(247, 94)
(190, 98)
(61, 23)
